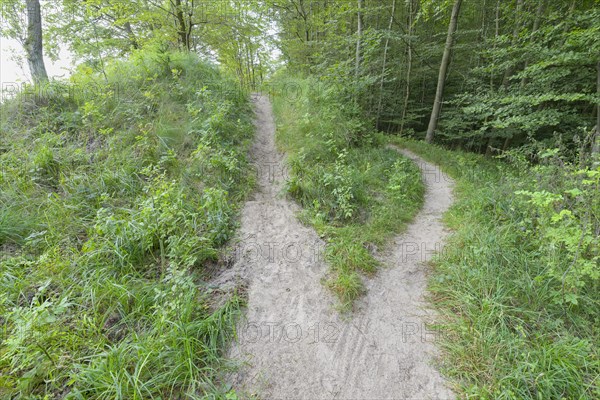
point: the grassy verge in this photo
(355, 192)
(114, 194)
(518, 283)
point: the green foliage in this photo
(117, 187)
(562, 215)
(108, 217)
(517, 285)
(549, 84)
(521, 70)
(355, 192)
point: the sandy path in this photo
(292, 343)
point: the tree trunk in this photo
(385, 51)
(437, 104)
(496, 34)
(536, 25)
(596, 139)
(132, 38)
(515, 36)
(408, 64)
(190, 26)
(358, 39)
(181, 26)
(33, 43)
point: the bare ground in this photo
(292, 343)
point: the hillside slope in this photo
(115, 195)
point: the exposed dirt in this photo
(293, 344)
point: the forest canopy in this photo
(515, 73)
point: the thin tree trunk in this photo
(536, 25)
(596, 139)
(358, 39)
(248, 66)
(515, 36)
(385, 51)
(437, 104)
(496, 33)
(409, 64)
(132, 38)
(181, 26)
(260, 67)
(497, 20)
(482, 35)
(252, 66)
(483, 31)
(190, 26)
(423, 86)
(33, 43)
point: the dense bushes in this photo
(114, 194)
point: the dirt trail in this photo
(293, 344)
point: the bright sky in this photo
(13, 64)
(11, 71)
(14, 68)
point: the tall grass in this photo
(518, 283)
(353, 190)
(114, 196)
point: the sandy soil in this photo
(293, 344)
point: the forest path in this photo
(292, 343)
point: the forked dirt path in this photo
(292, 343)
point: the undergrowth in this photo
(116, 191)
(518, 283)
(355, 192)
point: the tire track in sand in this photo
(292, 343)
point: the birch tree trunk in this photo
(33, 43)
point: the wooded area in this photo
(121, 187)
(507, 73)
(520, 71)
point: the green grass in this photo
(518, 287)
(112, 202)
(356, 193)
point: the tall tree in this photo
(596, 136)
(359, 29)
(409, 57)
(33, 43)
(536, 25)
(385, 52)
(515, 37)
(183, 28)
(437, 103)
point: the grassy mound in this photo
(115, 191)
